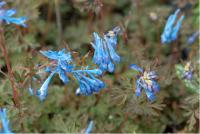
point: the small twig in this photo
(3, 73)
(10, 74)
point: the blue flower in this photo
(88, 84)
(192, 38)
(89, 128)
(42, 92)
(61, 65)
(147, 82)
(6, 16)
(4, 121)
(171, 28)
(188, 71)
(111, 36)
(104, 50)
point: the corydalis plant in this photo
(6, 16)
(171, 28)
(4, 121)
(146, 81)
(61, 64)
(104, 50)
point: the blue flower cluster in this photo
(104, 50)
(88, 85)
(4, 121)
(146, 81)
(61, 65)
(188, 71)
(6, 16)
(171, 28)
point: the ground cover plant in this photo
(99, 66)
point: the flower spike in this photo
(104, 50)
(171, 28)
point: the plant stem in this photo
(58, 20)
(10, 74)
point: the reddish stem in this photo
(10, 74)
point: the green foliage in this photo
(116, 108)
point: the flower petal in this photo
(136, 68)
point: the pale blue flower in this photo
(147, 82)
(192, 38)
(104, 50)
(42, 92)
(111, 36)
(89, 128)
(4, 121)
(88, 84)
(171, 28)
(6, 16)
(61, 65)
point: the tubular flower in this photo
(4, 121)
(147, 82)
(188, 71)
(6, 16)
(89, 128)
(111, 36)
(171, 28)
(88, 84)
(61, 66)
(104, 50)
(192, 38)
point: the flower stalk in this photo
(10, 73)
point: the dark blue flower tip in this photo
(136, 68)
(111, 67)
(103, 67)
(151, 98)
(137, 94)
(155, 86)
(187, 75)
(150, 95)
